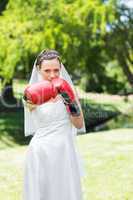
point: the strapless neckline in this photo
(51, 102)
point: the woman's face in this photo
(50, 69)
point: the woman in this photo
(52, 168)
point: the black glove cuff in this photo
(24, 97)
(74, 109)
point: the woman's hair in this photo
(47, 55)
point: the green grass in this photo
(108, 163)
(107, 155)
(11, 173)
(121, 103)
(107, 159)
(11, 129)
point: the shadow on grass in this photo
(12, 128)
(97, 114)
(12, 121)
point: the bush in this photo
(97, 114)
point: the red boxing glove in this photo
(40, 92)
(67, 93)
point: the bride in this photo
(52, 169)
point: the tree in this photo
(119, 41)
(74, 28)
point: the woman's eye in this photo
(56, 70)
(47, 71)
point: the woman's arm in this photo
(77, 121)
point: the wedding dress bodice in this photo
(50, 115)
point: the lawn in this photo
(108, 165)
(107, 155)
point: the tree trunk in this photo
(7, 95)
(126, 69)
(3, 5)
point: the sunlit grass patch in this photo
(107, 159)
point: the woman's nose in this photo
(52, 75)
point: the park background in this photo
(95, 40)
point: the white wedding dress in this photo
(51, 170)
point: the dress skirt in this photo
(51, 170)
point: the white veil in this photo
(29, 126)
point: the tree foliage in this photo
(119, 43)
(75, 28)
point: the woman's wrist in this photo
(77, 121)
(29, 104)
(74, 109)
